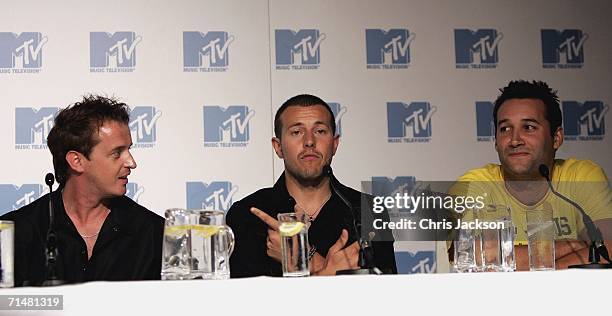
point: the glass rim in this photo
(205, 211)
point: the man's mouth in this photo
(310, 156)
(518, 155)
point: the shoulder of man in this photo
(32, 212)
(241, 208)
(139, 212)
(488, 172)
(578, 170)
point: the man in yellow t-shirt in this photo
(528, 132)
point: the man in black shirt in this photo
(101, 233)
(305, 139)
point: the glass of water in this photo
(176, 251)
(293, 230)
(7, 234)
(212, 244)
(505, 232)
(465, 259)
(541, 240)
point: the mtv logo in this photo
(588, 117)
(384, 186)
(409, 120)
(390, 47)
(563, 47)
(143, 121)
(227, 123)
(408, 262)
(477, 47)
(206, 49)
(484, 119)
(217, 195)
(134, 191)
(121, 46)
(13, 197)
(32, 126)
(302, 46)
(339, 112)
(21, 51)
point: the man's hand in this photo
(337, 257)
(273, 240)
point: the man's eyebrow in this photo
(522, 120)
(532, 120)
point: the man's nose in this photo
(130, 162)
(309, 140)
(516, 140)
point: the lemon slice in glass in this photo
(205, 230)
(5, 226)
(177, 230)
(290, 229)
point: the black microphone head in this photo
(49, 179)
(544, 171)
(327, 171)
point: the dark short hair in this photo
(76, 128)
(301, 100)
(521, 89)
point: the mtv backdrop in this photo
(411, 84)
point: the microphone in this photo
(51, 252)
(366, 253)
(597, 247)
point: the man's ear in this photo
(75, 161)
(278, 148)
(558, 138)
(336, 143)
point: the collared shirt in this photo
(250, 253)
(128, 246)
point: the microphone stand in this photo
(51, 252)
(597, 248)
(366, 253)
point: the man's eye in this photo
(321, 131)
(530, 127)
(504, 128)
(296, 132)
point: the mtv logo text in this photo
(134, 191)
(143, 126)
(477, 49)
(339, 112)
(409, 123)
(415, 262)
(32, 127)
(13, 197)
(216, 195)
(584, 121)
(227, 127)
(114, 52)
(298, 50)
(388, 49)
(485, 129)
(206, 52)
(563, 48)
(21, 53)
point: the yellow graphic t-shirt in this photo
(582, 181)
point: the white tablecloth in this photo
(569, 292)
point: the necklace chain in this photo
(90, 236)
(97, 233)
(311, 217)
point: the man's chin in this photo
(521, 172)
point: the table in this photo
(566, 292)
